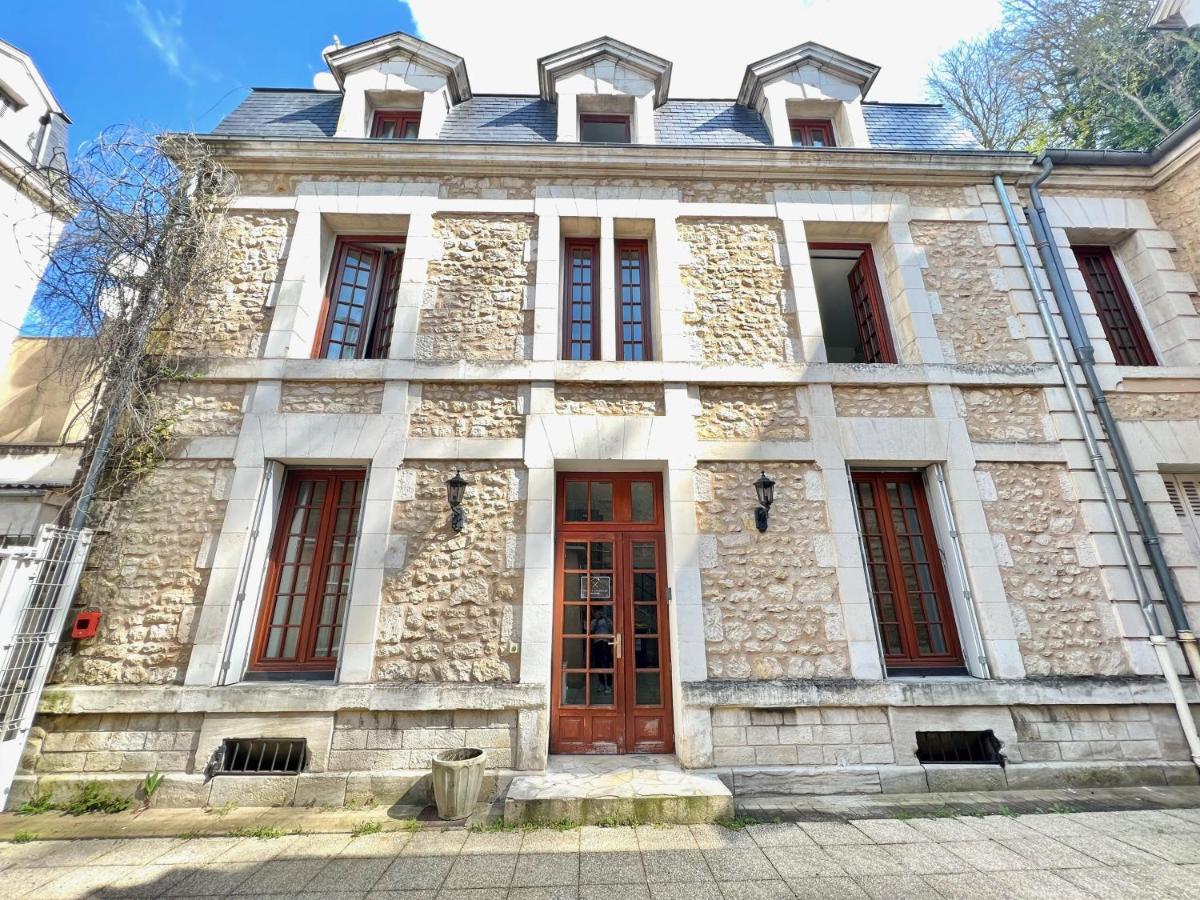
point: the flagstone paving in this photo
(1130, 854)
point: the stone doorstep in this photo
(638, 788)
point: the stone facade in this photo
(149, 575)
(331, 397)
(475, 307)
(1072, 733)
(976, 320)
(745, 413)
(1176, 208)
(586, 399)
(201, 409)
(770, 600)
(1065, 624)
(371, 741)
(1005, 414)
(451, 602)
(1171, 407)
(116, 743)
(874, 401)
(234, 323)
(803, 736)
(463, 410)
(736, 283)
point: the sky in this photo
(183, 64)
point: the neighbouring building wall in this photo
(1176, 208)
(27, 235)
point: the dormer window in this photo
(812, 133)
(396, 125)
(604, 129)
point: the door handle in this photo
(617, 646)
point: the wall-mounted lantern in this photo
(456, 487)
(764, 487)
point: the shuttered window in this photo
(1184, 493)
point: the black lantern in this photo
(764, 487)
(455, 488)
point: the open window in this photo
(396, 125)
(307, 587)
(598, 129)
(850, 301)
(360, 298)
(904, 568)
(1122, 327)
(812, 133)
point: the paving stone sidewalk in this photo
(1125, 854)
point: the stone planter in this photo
(457, 778)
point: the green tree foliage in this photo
(1076, 73)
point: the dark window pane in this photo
(601, 654)
(600, 619)
(645, 619)
(645, 651)
(604, 131)
(644, 556)
(645, 586)
(601, 688)
(649, 689)
(573, 619)
(574, 689)
(602, 501)
(642, 498)
(602, 555)
(576, 501)
(575, 556)
(573, 586)
(572, 656)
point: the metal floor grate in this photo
(977, 747)
(263, 756)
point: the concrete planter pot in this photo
(457, 778)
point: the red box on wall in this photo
(86, 624)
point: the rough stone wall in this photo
(584, 399)
(1005, 414)
(975, 314)
(235, 321)
(114, 743)
(744, 413)
(331, 397)
(873, 401)
(149, 576)
(451, 602)
(371, 741)
(770, 600)
(1073, 733)
(475, 298)
(467, 410)
(806, 736)
(1175, 407)
(201, 408)
(736, 283)
(1175, 206)
(1063, 619)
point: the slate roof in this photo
(915, 126)
(278, 113)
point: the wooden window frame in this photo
(642, 248)
(367, 344)
(305, 661)
(627, 121)
(806, 127)
(953, 657)
(622, 487)
(1138, 352)
(569, 245)
(399, 118)
(875, 301)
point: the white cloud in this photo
(164, 32)
(710, 44)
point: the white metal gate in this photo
(37, 584)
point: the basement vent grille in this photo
(979, 747)
(263, 756)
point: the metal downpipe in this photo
(1085, 355)
(1157, 641)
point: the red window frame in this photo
(577, 311)
(331, 527)
(634, 341)
(804, 130)
(610, 120)
(1122, 325)
(399, 120)
(895, 558)
(372, 334)
(870, 313)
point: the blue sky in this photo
(180, 65)
(183, 64)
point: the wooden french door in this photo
(916, 619)
(611, 689)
